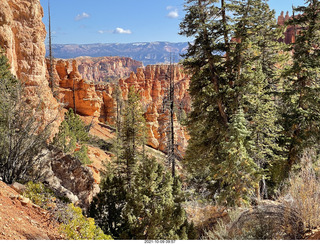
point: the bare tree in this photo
(51, 76)
(171, 144)
(23, 133)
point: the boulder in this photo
(67, 177)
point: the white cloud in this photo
(101, 31)
(119, 30)
(82, 16)
(173, 14)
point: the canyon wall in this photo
(22, 36)
(106, 68)
(152, 83)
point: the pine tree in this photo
(71, 131)
(153, 210)
(301, 114)
(238, 174)
(133, 134)
(223, 77)
(265, 131)
(262, 57)
(107, 207)
(208, 121)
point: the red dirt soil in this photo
(24, 221)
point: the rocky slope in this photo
(22, 220)
(22, 36)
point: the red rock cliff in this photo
(75, 92)
(151, 82)
(22, 36)
(291, 31)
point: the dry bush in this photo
(303, 192)
(204, 215)
(268, 221)
(220, 231)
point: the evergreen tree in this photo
(208, 121)
(72, 131)
(238, 173)
(133, 134)
(225, 73)
(153, 210)
(138, 199)
(265, 132)
(301, 113)
(107, 207)
(262, 70)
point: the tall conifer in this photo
(133, 129)
(302, 95)
(223, 61)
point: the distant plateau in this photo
(146, 52)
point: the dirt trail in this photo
(22, 220)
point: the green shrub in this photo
(100, 143)
(72, 131)
(23, 132)
(82, 155)
(40, 195)
(78, 227)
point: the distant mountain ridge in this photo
(146, 52)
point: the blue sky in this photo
(123, 21)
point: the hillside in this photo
(20, 219)
(146, 52)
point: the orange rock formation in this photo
(22, 36)
(151, 82)
(290, 32)
(153, 85)
(75, 92)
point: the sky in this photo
(123, 21)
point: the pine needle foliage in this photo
(232, 63)
(72, 131)
(138, 198)
(238, 174)
(301, 113)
